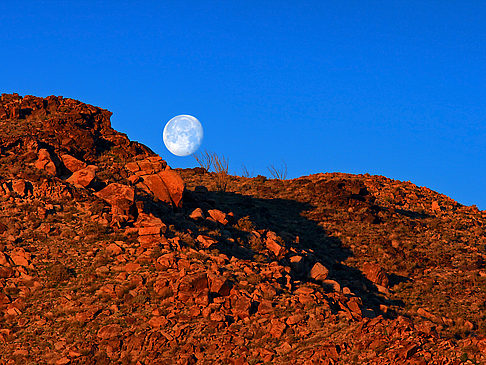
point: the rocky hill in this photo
(107, 255)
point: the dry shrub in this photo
(279, 173)
(220, 164)
(211, 160)
(245, 172)
(204, 159)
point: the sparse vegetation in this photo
(220, 164)
(245, 172)
(205, 159)
(278, 172)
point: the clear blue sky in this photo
(395, 88)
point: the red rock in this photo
(4, 299)
(294, 319)
(408, 351)
(319, 272)
(158, 321)
(132, 266)
(192, 285)
(72, 163)
(218, 216)
(219, 285)
(132, 167)
(20, 257)
(6, 272)
(153, 230)
(45, 162)
(83, 177)
(375, 274)
(354, 305)
(217, 317)
(19, 187)
(156, 186)
(174, 184)
(265, 306)
(119, 196)
(4, 259)
(197, 214)
(277, 328)
(63, 361)
(241, 306)
(332, 283)
(109, 332)
(274, 247)
(435, 206)
(114, 249)
(206, 241)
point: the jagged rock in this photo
(218, 216)
(319, 272)
(175, 185)
(206, 241)
(376, 274)
(83, 177)
(119, 196)
(219, 285)
(277, 328)
(72, 163)
(274, 247)
(197, 214)
(45, 162)
(155, 185)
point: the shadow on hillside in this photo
(284, 217)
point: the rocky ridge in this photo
(108, 255)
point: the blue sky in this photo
(394, 88)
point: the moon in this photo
(183, 135)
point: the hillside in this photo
(107, 255)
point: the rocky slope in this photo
(109, 256)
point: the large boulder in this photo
(174, 184)
(119, 196)
(167, 186)
(155, 185)
(72, 163)
(83, 177)
(45, 162)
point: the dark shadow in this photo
(412, 214)
(284, 217)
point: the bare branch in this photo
(279, 173)
(245, 172)
(204, 159)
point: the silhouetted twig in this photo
(279, 173)
(204, 159)
(245, 172)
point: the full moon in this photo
(183, 135)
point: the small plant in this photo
(220, 164)
(279, 173)
(245, 172)
(204, 159)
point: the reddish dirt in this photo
(109, 256)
